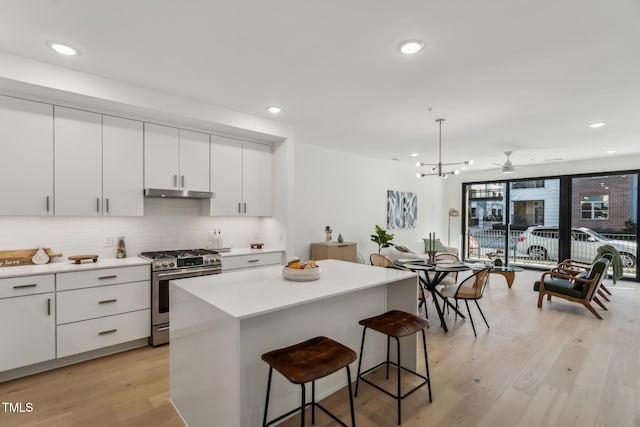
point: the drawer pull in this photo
(253, 260)
(113, 276)
(107, 301)
(33, 285)
(164, 328)
(110, 331)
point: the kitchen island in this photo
(222, 324)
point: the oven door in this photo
(160, 297)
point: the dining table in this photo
(430, 282)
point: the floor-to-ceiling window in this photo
(604, 212)
(537, 222)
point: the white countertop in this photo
(66, 266)
(251, 292)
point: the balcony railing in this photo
(539, 248)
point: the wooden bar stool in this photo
(395, 324)
(308, 361)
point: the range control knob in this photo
(171, 264)
(165, 264)
(158, 264)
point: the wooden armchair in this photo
(581, 287)
(574, 268)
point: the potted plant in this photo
(382, 238)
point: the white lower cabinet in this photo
(85, 304)
(234, 262)
(28, 322)
(79, 337)
(102, 307)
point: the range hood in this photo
(177, 194)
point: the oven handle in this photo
(188, 273)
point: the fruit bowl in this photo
(301, 274)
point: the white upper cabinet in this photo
(241, 178)
(26, 162)
(122, 173)
(257, 178)
(78, 162)
(161, 156)
(194, 160)
(226, 176)
(175, 158)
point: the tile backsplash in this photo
(167, 224)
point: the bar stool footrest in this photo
(423, 383)
(317, 405)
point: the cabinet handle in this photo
(239, 207)
(107, 301)
(175, 180)
(253, 260)
(48, 209)
(48, 306)
(110, 331)
(164, 328)
(106, 204)
(33, 285)
(113, 276)
(245, 207)
(182, 180)
(98, 204)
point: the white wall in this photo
(349, 193)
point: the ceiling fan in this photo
(507, 166)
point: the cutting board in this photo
(22, 257)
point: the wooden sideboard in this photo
(345, 251)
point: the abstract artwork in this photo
(410, 207)
(402, 209)
(395, 209)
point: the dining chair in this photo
(470, 289)
(380, 261)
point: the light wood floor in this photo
(555, 366)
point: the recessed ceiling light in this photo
(273, 109)
(63, 49)
(596, 125)
(611, 151)
(414, 154)
(409, 47)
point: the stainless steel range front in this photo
(171, 265)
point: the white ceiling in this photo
(505, 74)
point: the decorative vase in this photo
(327, 232)
(40, 257)
(122, 250)
(340, 239)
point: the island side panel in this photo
(335, 317)
(403, 295)
(204, 362)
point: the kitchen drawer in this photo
(103, 276)
(27, 285)
(90, 303)
(249, 261)
(92, 334)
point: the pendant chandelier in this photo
(439, 168)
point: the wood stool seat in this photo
(306, 362)
(310, 360)
(395, 323)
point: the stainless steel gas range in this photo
(171, 265)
